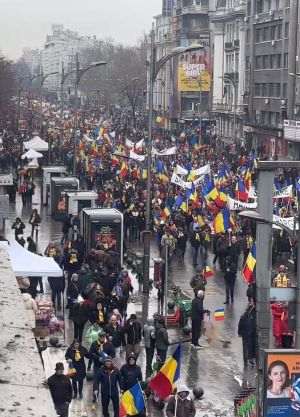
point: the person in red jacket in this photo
(277, 313)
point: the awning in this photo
(28, 264)
(37, 144)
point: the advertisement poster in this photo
(194, 72)
(282, 383)
(106, 237)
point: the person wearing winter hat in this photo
(110, 379)
(181, 405)
(130, 372)
(197, 318)
(61, 390)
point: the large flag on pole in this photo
(162, 382)
(132, 401)
(250, 265)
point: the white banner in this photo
(139, 144)
(179, 181)
(136, 157)
(284, 193)
(288, 222)
(239, 205)
(198, 180)
(129, 144)
(180, 170)
(165, 152)
(202, 171)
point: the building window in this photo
(267, 5)
(273, 29)
(277, 90)
(286, 30)
(265, 36)
(258, 62)
(271, 90)
(259, 6)
(247, 64)
(279, 31)
(247, 35)
(264, 92)
(266, 61)
(257, 35)
(257, 90)
(285, 60)
(284, 90)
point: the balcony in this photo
(291, 130)
(228, 46)
(195, 8)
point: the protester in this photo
(76, 354)
(180, 404)
(61, 390)
(130, 373)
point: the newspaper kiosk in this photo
(48, 173)
(58, 190)
(78, 200)
(103, 228)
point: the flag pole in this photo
(145, 399)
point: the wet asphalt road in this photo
(216, 368)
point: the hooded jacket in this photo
(161, 337)
(184, 408)
(130, 375)
(149, 334)
(110, 380)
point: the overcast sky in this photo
(25, 23)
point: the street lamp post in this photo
(20, 89)
(79, 73)
(154, 68)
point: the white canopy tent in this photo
(32, 154)
(28, 264)
(37, 144)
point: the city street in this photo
(218, 368)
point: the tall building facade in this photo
(33, 59)
(59, 51)
(228, 45)
(185, 81)
(267, 25)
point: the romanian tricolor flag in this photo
(132, 401)
(248, 179)
(162, 383)
(222, 221)
(241, 192)
(165, 213)
(250, 265)
(208, 272)
(219, 314)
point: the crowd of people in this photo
(193, 180)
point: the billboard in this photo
(194, 72)
(282, 383)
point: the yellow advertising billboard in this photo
(193, 72)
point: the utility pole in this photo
(77, 80)
(62, 89)
(292, 54)
(263, 272)
(147, 234)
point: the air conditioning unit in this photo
(256, 17)
(273, 43)
(267, 100)
(246, 19)
(271, 13)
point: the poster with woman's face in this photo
(282, 384)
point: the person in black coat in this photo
(73, 290)
(230, 277)
(133, 335)
(110, 379)
(76, 354)
(130, 372)
(99, 350)
(18, 226)
(115, 332)
(197, 318)
(61, 390)
(57, 285)
(79, 314)
(247, 331)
